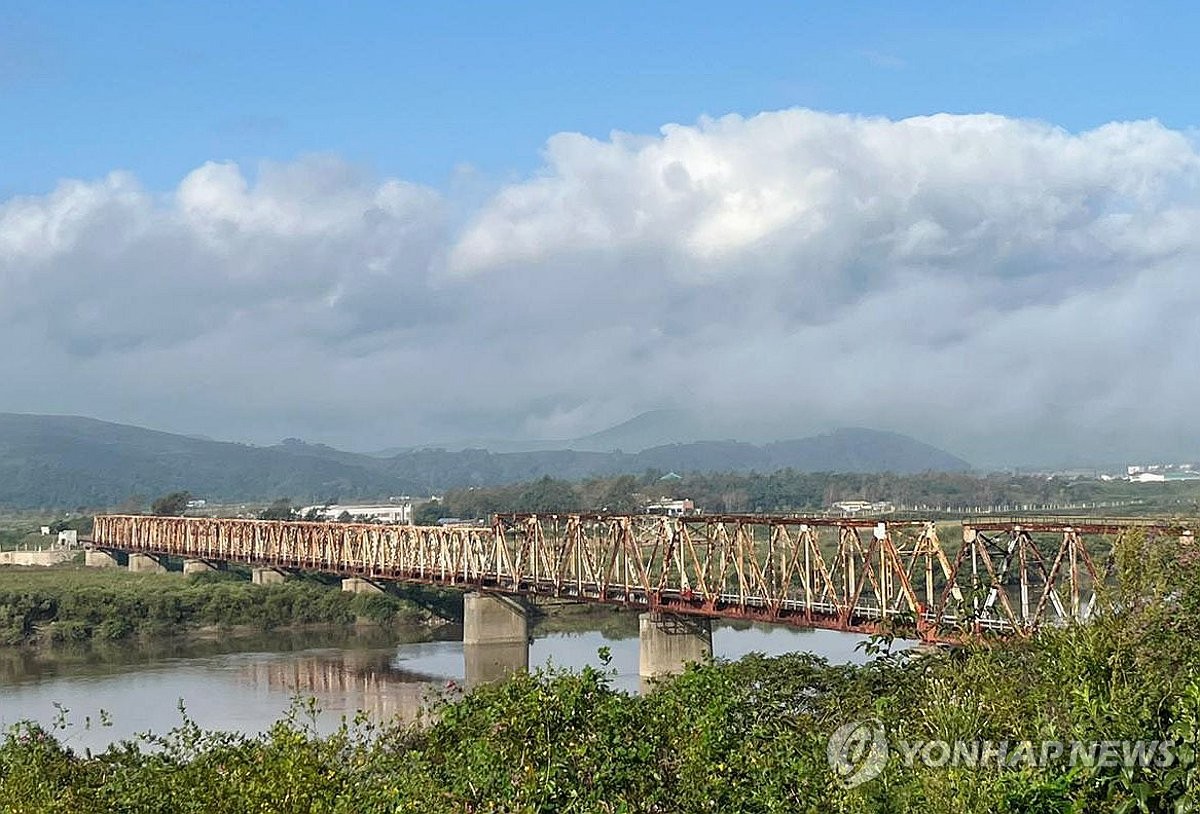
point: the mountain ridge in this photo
(73, 461)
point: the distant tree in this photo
(617, 496)
(549, 495)
(172, 505)
(427, 514)
(735, 500)
(315, 514)
(281, 509)
(345, 517)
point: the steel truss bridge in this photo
(991, 576)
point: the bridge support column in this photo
(495, 638)
(358, 585)
(198, 567)
(267, 576)
(492, 619)
(99, 558)
(668, 642)
(146, 564)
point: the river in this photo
(105, 694)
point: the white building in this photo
(394, 513)
(673, 508)
(849, 508)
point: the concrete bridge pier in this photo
(267, 576)
(99, 558)
(146, 564)
(667, 642)
(495, 638)
(358, 585)
(198, 567)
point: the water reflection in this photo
(240, 684)
(350, 680)
(485, 663)
(246, 684)
(21, 665)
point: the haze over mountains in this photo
(654, 428)
(71, 461)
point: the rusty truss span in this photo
(993, 577)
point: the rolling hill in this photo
(67, 461)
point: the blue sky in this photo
(382, 224)
(414, 90)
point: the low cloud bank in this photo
(1002, 288)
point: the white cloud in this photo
(1003, 287)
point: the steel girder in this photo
(1001, 577)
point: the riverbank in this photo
(57, 605)
(96, 658)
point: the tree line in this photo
(793, 491)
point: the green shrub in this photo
(115, 629)
(62, 632)
(75, 603)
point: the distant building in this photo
(68, 538)
(459, 521)
(45, 531)
(1168, 472)
(852, 508)
(672, 476)
(394, 513)
(197, 504)
(673, 508)
(1148, 477)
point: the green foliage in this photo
(61, 605)
(794, 491)
(549, 495)
(171, 505)
(428, 513)
(281, 509)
